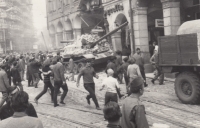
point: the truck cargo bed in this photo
(179, 50)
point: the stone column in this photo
(53, 40)
(171, 16)
(141, 34)
(116, 41)
(77, 33)
(56, 40)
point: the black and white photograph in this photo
(99, 63)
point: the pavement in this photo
(69, 116)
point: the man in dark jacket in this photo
(59, 81)
(16, 76)
(34, 67)
(112, 65)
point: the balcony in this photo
(5, 4)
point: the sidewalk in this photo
(151, 76)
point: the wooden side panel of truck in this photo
(179, 50)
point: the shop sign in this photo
(35, 47)
(159, 23)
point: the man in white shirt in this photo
(112, 86)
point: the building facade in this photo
(151, 18)
(68, 19)
(16, 27)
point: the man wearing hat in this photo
(88, 73)
(4, 84)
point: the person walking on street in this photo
(124, 69)
(34, 66)
(29, 73)
(4, 85)
(139, 60)
(47, 83)
(154, 61)
(112, 86)
(21, 64)
(133, 71)
(118, 63)
(71, 67)
(16, 76)
(59, 81)
(88, 73)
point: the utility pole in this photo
(131, 33)
(44, 41)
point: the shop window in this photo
(196, 2)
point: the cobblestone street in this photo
(161, 104)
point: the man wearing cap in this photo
(112, 65)
(88, 73)
(4, 84)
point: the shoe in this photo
(88, 100)
(98, 108)
(56, 105)
(161, 84)
(36, 87)
(36, 101)
(145, 85)
(62, 102)
(152, 81)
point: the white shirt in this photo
(110, 83)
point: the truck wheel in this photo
(80, 67)
(75, 69)
(187, 88)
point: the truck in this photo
(89, 51)
(180, 54)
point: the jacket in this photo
(4, 81)
(34, 66)
(58, 72)
(21, 64)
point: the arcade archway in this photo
(124, 34)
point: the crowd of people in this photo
(15, 102)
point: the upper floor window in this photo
(196, 2)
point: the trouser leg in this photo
(4, 98)
(43, 91)
(56, 90)
(91, 89)
(65, 90)
(52, 90)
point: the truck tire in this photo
(187, 88)
(80, 66)
(75, 68)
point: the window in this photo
(197, 15)
(196, 2)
